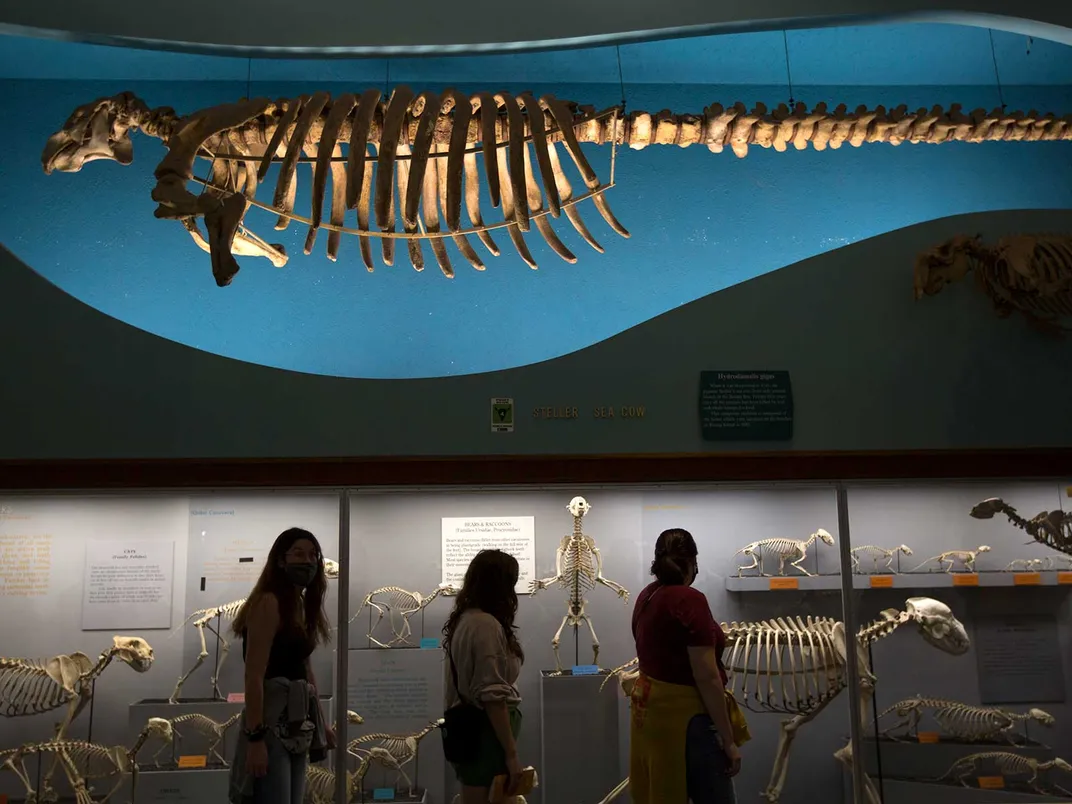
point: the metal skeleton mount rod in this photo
(427, 146)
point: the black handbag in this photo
(461, 727)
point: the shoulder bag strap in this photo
(454, 675)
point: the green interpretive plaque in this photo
(746, 406)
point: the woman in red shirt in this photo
(682, 745)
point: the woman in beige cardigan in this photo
(483, 663)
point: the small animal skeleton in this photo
(785, 550)
(578, 568)
(950, 558)
(392, 750)
(82, 762)
(395, 602)
(32, 686)
(1028, 565)
(877, 554)
(1006, 763)
(960, 721)
(1029, 274)
(796, 667)
(202, 620)
(320, 783)
(1051, 528)
(211, 730)
(427, 146)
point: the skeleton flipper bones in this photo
(427, 145)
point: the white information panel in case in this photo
(127, 585)
(464, 537)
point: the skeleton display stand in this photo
(579, 729)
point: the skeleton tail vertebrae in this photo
(426, 146)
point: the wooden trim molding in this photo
(531, 469)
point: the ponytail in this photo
(675, 549)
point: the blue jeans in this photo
(285, 781)
(706, 764)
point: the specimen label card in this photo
(464, 537)
(746, 406)
(1019, 659)
(127, 585)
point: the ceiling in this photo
(875, 55)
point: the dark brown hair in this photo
(312, 620)
(489, 586)
(675, 550)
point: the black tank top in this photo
(286, 659)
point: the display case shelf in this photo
(907, 580)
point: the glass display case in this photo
(118, 610)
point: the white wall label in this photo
(127, 585)
(464, 537)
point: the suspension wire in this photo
(997, 73)
(249, 79)
(387, 80)
(621, 79)
(788, 71)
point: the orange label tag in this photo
(784, 583)
(965, 579)
(1026, 579)
(991, 782)
(1064, 577)
(881, 581)
(236, 697)
(928, 736)
(193, 761)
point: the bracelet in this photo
(256, 735)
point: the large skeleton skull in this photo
(937, 624)
(160, 728)
(135, 651)
(987, 508)
(97, 130)
(578, 506)
(943, 265)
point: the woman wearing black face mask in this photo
(281, 623)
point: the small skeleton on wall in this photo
(398, 605)
(578, 568)
(878, 555)
(785, 550)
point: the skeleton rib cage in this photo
(788, 665)
(430, 165)
(26, 688)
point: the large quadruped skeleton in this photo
(578, 568)
(1005, 764)
(398, 605)
(950, 558)
(82, 762)
(960, 721)
(786, 550)
(1050, 528)
(1029, 274)
(202, 620)
(427, 145)
(796, 667)
(392, 750)
(33, 686)
(878, 555)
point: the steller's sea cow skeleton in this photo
(426, 146)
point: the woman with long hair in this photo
(280, 624)
(484, 659)
(682, 745)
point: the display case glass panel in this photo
(106, 599)
(970, 727)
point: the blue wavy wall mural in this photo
(700, 222)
